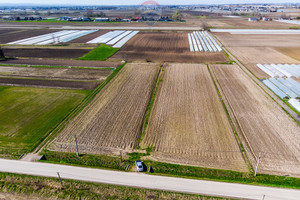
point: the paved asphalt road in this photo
(148, 181)
(5, 26)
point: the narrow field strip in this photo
(188, 123)
(263, 125)
(113, 120)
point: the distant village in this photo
(148, 11)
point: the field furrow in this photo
(264, 126)
(113, 120)
(188, 123)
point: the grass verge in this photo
(42, 187)
(102, 52)
(97, 161)
(168, 169)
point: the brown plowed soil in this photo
(252, 49)
(261, 123)
(23, 34)
(89, 37)
(244, 23)
(45, 53)
(114, 118)
(6, 31)
(258, 40)
(188, 123)
(260, 74)
(55, 73)
(165, 47)
(51, 62)
(262, 55)
(293, 52)
(50, 83)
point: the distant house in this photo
(266, 19)
(252, 19)
(126, 20)
(65, 18)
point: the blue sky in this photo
(137, 2)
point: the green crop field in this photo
(28, 114)
(102, 52)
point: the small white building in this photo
(101, 20)
(252, 19)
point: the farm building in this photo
(101, 20)
(252, 19)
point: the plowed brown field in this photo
(188, 123)
(114, 118)
(290, 51)
(165, 47)
(55, 73)
(259, 40)
(45, 53)
(263, 55)
(252, 49)
(250, 56)
(57, 62)
(260, 122)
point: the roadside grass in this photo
(102, 52)
(97, 161)
(294, 27)
(45, 187)
(174, 170)
(223, 175)
(27, 114)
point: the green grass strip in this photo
(102, 52)
(174, 170)
(44, 187)
(223, 175)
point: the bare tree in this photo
(90, 13)
(124, 57)
(2, 57)
(204, 26)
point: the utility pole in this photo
(259, 156)
(62, 186)
(77, 152)
(121, 156)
